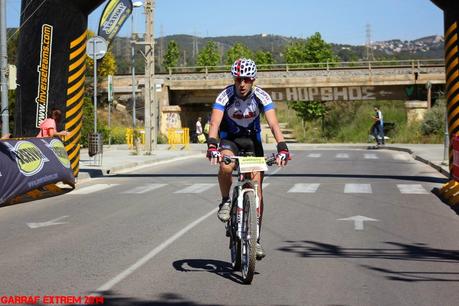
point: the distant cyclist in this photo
(236, 120)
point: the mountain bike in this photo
(242, 227)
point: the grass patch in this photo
(350, 122)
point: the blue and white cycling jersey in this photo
(242, 116)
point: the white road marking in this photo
(47, 223)
(145, 188)
(370, 156)
(412, 189)
(314, 155)
(342, 155)
(357, 188)
(93, 188)
(196, 188)
(358, 221)
(108, 285)
(304, 188)
(265, 185)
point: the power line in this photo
(25, 21)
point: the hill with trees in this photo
(275, 45)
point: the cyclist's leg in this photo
(225, 179)
(225, 175)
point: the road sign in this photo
(96, 47)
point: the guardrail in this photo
(414, 64)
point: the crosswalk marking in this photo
(145, 188)
(357, 188)
(196, 188)
(296, 188)
(412, 189)
(93, 188)
(304, 188)
(370, 156)
(314, 155)
(342, 155)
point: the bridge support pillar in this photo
(415, 110)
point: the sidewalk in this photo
(118, 158)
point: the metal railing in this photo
(368, 65)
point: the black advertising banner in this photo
(51, 67)
(115, 14)
(28, 164)
(451, 23)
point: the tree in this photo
(209, 55)
(172, 56)
(12, 46)
(308, 111)
(237, 51)
(313, 50)
(264, 58)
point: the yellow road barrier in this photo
(178, 137)
(130, 137)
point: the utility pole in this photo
(369, 45)
(151, 106)
(3, 70)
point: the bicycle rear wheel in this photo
(249, 237)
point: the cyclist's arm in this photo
(274, 125)
(215, 120)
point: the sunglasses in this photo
(245, 79)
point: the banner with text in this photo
(115, 14)
(31, 163)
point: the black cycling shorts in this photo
(243, 145)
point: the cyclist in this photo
(236, 119)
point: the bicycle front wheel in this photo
(249, 237)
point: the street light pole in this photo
(134, 83)
(3, 68)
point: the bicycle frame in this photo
(241, 188)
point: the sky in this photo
(338, 21)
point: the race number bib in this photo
(252, 164)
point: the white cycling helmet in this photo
(244, 67)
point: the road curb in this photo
(421, 159)
(108, 171)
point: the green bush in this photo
(434, 120)
(87, 121)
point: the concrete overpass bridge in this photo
(189, 91)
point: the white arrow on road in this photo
(358, 221)
(47, 223)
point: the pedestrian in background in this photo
(377, 129)
(48, 128)
(207, 128)
(199, 134)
